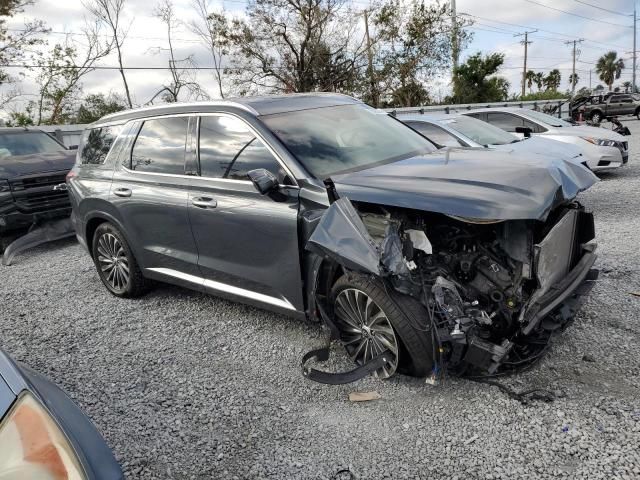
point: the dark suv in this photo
(316, 205)
(33, 167)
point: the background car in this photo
(317, 203)
(43, 434)
(455, 130)
(33, 167)
(599, 107)
(610, 149)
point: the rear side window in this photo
(96, 144)
(505, 121)
(229, 149)
(160, 146)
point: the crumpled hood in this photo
(544, 146)
(586, 131)
(475, 183)
(19, 165)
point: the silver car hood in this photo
(546, 147)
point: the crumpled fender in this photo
(342, 236)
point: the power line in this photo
(603, 9)
(539, 29)
(577, 14)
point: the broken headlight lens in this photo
(32, 445)
(602, 142)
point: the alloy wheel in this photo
(365, 330)
(113, 261)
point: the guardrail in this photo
(560, 106)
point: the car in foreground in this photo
(318, 206)
(43, 434)
(455, 130)
(608, 148)
(33, 167)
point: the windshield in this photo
(544, 118)
(27, 143)
(337, 139)
(479, 131)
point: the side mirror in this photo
(526, 131)
(263, 180)
(72, 147)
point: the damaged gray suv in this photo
(318, 206)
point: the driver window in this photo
(437, 135)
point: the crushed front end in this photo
(494, 291)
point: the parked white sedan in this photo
(602, 148)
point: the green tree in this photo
(96, 106)
(574, 78)
(530, 77)
(474, 81)
(539, 80)
(552, 80)
(609, 67)
(627, 86)
(414, 43)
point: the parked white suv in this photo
(602, 148)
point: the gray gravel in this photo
(184, 385)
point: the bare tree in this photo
(62, 69)
(297, 46)
(209, 27)
(14, 47)
(108, 12)
(181, 78)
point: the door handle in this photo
(122, 192)
(204, 202)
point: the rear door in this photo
(150, 192)
(247, 242)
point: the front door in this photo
(247, 242)
(151, 192)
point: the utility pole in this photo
(454, 40)
(372, 80)
(633, 76)
(573, 74)
(526, 43)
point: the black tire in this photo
(416, 352)
(135, 284)
(596, 117)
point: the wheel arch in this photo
(94, 220)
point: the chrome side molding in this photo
(214, 287)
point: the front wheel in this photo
(596, 117)
(116, 265)
(372, 320)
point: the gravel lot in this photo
(184, 385)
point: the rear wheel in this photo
(596, 117)
(372, 321)
(116, 265)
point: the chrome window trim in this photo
(257, 134)
(223, 287)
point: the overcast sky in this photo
(496, 23)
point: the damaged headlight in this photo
(32, 445)
(602, 142)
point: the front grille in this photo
(36, 193)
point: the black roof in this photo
(258, 105)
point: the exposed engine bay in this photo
(494, 291)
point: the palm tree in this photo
(539, 80)
(627, 86)
(531, 79)
(573, 80)
(609, 67)
(552, 80)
